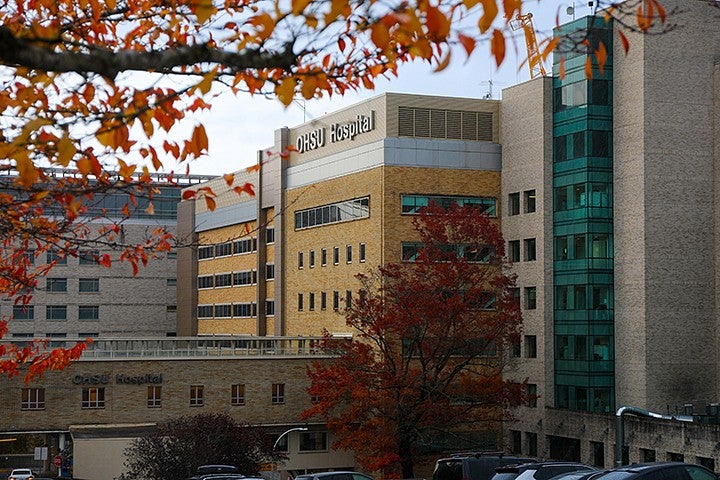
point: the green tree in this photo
(178, 446)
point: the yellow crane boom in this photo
(533, 51)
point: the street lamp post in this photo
(277, 441)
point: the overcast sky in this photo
(238, 127)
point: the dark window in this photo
(223, 310)
(223, 280)
(207, 251)
(532, 395)
(154, 396)
(206, 281)
(530, 201)
(57, 257)
(278, 393)
(334, 213)
(323, 301)
(362, 252)
(270, 235)
(300, 260)
(336, 255)
(530, 253)
(237, 394)
(601, 143)
(56, 312)
(530, 346)
(33, 399)
(336, 300)
(348, 253)
(313, 441)
(311, 301)
(348, 298)
(514, 250)
(600, 92)
(23, 312)
(411, 204)
(196, 395)
(270, 307)
(578, 140)
(531, 298)
(223, 249)
(269, 271)
(93, 397)
(300, 302)
(560, 144)
(57, 284)
(323, 257)
(243, 310)
(205, 311)
(88, 312)
(561, 196)
(514, 203)
(312, 258)
(88, 257)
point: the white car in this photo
(21, 474)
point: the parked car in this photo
(340, 475)
(21, 474)
(651, 471)
(539, 470)
(474, 466)
(205, 472)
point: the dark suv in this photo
(539, 470)
(473, 466)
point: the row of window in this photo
(583, 347)
(583, 297)
(528, 345)
(411, 204)
(235, 247)
(335, 256)
(580, 195)
(333, 213)
(95, 398)
(575, 247)
(56, 335)
(530, 297)
(85, 285)
(529, 202)
(411, 252)
(56, 312)
(230, 310)
(592, 143)
(530, 249)
(347, 299)
(234, 279)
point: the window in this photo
(154, 396)
(348, 298)
(196, 395)
(530, 254)
(207, 251)
(300, 302)
(578, 144)
(514, 250)
(411, 251)
(516, 441)
(362, 252)
(171, 308)
(529, 201)
(514, 204)
(312, 259)
(278, 393)
(300, 260)
(601, 143)
(270, 235)
(411, 204)
(560, 148)
(561, 248)
(88, 312)
(244, 310)
(23, 312)
(348, 253)
(313, 441)
(57, 285)
(88, 257)
(205, 311)
(222, 310)
(532, 395)
(336, 255)
(333, 213)
(531, 298)
(323, 301)
(171, 282)
(56, 312)
(237, 394)
(223, 280)
(323, 257)
(270, 307)
(224, 249)
(579, 197)
(530, 346)
(246, 277)
(599, 248)
(245, 245)
(206, 281)
(532, 443)
(311, 301)
(33, 399)
(57, 257)
(336, 300)
(93, 397)
(269, 271)
(579, 246)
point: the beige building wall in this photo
(665, 310)
(527, 167)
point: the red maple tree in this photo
(426, 358)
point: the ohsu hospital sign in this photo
(338, 132)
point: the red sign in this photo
(57, 461)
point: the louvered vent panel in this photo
(437, 123)
(469, 125)
(485, 126)
(406, 121)
(422, 122)
(454, 125)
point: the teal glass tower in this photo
(583, 219)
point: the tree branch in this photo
(21, 53)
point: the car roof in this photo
(326, 474)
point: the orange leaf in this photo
(66, 151)
(204, 9)
(210, 203)
(601, 55)
(150, 210)
(207, 81)
(229, 179)
(188, 194)
(285, 90)
(247, 188)
(624, 40)
(497, 46)
(443, 63)
(468, 43)
(199, 139)
(588, 68)
(380, 35)
(562, 68)
(661, 11)
(438, 25)
(490, 11)
(298, 6)
(510, 7)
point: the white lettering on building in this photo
(311, 140)
(338, 132)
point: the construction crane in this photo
(533, 51)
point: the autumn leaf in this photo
(490, 12)
(497, 46)
(298, 6)
(588, 68)
(601, 55)
(624, 40)
(199, 139)
(210, 203)
(204, 9)
(229, 179)
(285, 90)
(468, 43)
